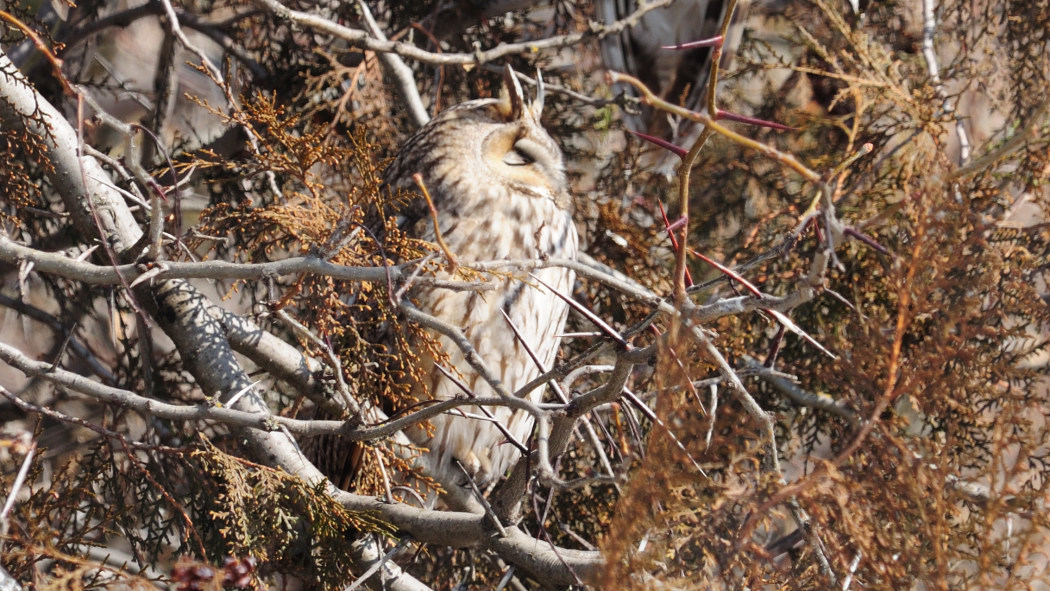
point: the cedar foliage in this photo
(935, 477)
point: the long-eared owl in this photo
(498, 185)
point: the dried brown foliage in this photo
(943, 354)
(916, 458)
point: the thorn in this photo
(730, 273)
(591, 316)
(677, 151)
(721, 115)
(866, 240)
(774, 349)
(159, 189)
(674, 241)
(152, 271)
(864, 150)
(787, 323)
(843, 300)
(715, 41)
(678, 223)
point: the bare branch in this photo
(363, 40)
(184, 315)
(401, 73)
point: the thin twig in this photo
(16, 488)
(418, 179)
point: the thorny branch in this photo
(197, 323)
(555, 423)
(190, 325)
(215, 411)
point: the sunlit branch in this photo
(363, 40)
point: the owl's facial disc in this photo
(527, 161)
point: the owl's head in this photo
(485, 143)
(518, 147)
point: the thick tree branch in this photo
(404, 82)
(237, 418)
(363, 40)
(184, 315)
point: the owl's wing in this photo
(339, 460)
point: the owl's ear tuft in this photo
(511, 99)
(537, 105)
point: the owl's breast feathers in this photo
(498, 186)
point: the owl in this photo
(498, 185)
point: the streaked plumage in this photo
(498, 183)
